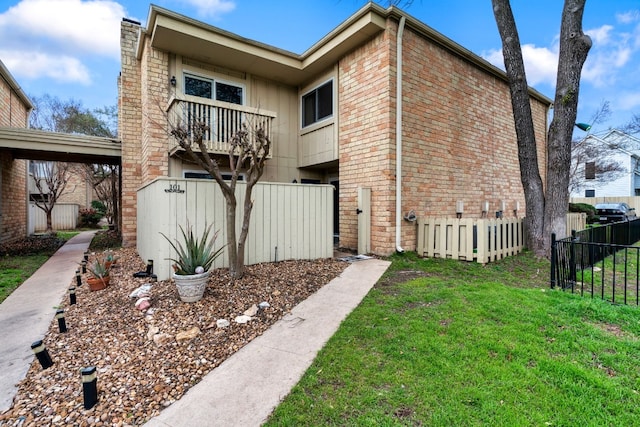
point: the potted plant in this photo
(194, 257)
(110, 258)
(99, 275)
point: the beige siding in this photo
(63, 217)
(287, 222)
(318, 146)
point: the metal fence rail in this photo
(601, 262)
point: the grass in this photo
(442, 343)
(25, 258)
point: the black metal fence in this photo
(601, 262)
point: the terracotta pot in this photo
(96, 284)
(191, 286)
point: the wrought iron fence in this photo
(602, 262)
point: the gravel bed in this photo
(141, 367)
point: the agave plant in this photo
(194, 252)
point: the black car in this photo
(615, 212)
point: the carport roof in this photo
(41, 145)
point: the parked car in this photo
(614, 212)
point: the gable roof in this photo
(176, 33)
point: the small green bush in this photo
(89, 218)
(99, 207)
(590, 210)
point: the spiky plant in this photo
(194, 252)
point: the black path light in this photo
(84, 266)
(62, 323)
(78, 279)
(72, 295)
(89, 386)
(42, 354)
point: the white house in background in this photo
(624, 149)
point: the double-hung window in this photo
(317, 104)
(213, 89)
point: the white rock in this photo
(251, 311)
(153, 330)
(140, 291)
(242, 319)
(263, 305)
(199, 269)
(222, 323)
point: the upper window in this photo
(317, 104)
(213, 89)
(590, 170)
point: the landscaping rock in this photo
(222, 323)
(251, 311)
(188, 335)
(242, 319)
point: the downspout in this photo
(399, 136)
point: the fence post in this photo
(572, 259)
(554, 260)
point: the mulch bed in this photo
(141, 367)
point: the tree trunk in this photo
(545, 212)
(231, 235)
(574, 47)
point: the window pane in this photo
(325, 101)
(590, 170)
(197, 87)
(309, 109)
(228, 93)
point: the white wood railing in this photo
(223, 120)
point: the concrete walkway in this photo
(25, 316)
(244, 389)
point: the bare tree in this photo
(593, 158)
(104, 181)
(51, 181)
(248, 150)
(546, 207)
(633, 126)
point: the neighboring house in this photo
(15, 107)
(382, 103)
(611, 147)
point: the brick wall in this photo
(459, 141)
(130, 129)
(13, 185)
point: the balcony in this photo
(223, 119)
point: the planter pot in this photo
(191, 287)
(97, 284)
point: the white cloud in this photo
(65, 26)
(628, 101)
(540, 63)
(600, 36)
(63, 69)
(628, 17)
(212, 8)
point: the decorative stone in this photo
(251, 311)
(242, 319)
(188, 334)
(144, 290)
(162, 339)
(222, 323)
(199, 269)
(264, 305)
(153, 330)
(143, 303)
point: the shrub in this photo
(590, 210)
(99, 207)
(89, 218)
(106, 239)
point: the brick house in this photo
(333, 115)
(15, 107)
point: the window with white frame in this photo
(213, 89)
(317, 104)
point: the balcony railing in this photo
(223, 120)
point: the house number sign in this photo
(173, 188)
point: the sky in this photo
(70, 48)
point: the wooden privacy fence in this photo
(288, 221)
(478, 239)
(63, 217)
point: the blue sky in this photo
(70, 48)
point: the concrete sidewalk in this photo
(25, 316)
(244, 390)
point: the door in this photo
(364, 220)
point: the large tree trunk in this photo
(574, 47)
(544, 214)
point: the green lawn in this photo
(446, 343)
(15, 269)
